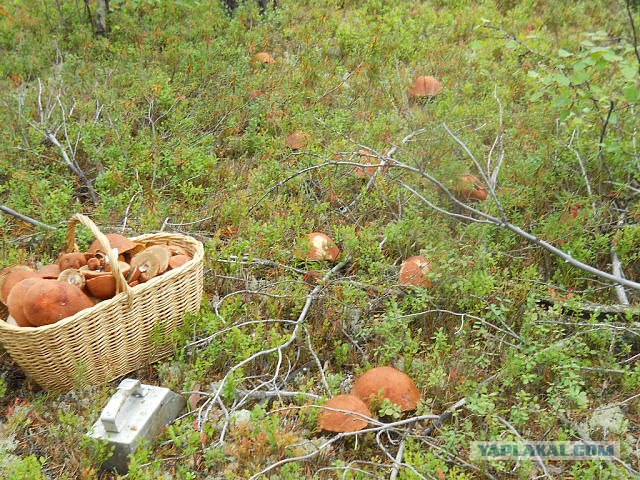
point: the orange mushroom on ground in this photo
(351, 420)
(425, 86)
(263, 58)
(415, 271)
(368, 158)
(388, 383)
(317, 246)
(471, 188)
(297, 140)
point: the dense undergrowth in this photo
(175, 128)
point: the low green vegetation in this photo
(168, 124)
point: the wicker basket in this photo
(116, 336)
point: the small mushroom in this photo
(16, 300)
(297, 140)
(49, 271)
(470, 188)
(367, 157)
(149, 263)
(72, 276)
(12, 275)
(48, 301)
(425, 86)
(71, 260)
(263, 58)
(414, 271)
(317, 246)
(333, 421)
(389, 383)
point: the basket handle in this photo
(121, 283)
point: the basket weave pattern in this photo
(116, 336)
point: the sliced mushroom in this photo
(352, 420)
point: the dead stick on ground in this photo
(24, 218)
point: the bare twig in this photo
(24, 218)
(517, 434)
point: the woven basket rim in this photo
(88, 314)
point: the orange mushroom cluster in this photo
(349, 413)
(77, 281)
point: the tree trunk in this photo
(102, 24)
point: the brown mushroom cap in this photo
(317, 246)
(263, 57)
(16, 300)
(333, 421)
(48, 301)
(49, 271)
(71, 260)
(425, 86)
(102, 286)
(471, 188)
(391, 383)
(177, 250)
(149, 263)
(13, 275)
(414, 271)
(178, 260)
(123, 244)
(297, 140)
(367, 157)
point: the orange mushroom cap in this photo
(16, 300)
(390, 383)
(333, 421)
(10, 276)
(123, 244)
(297, 140)
(425, 86)
(317, 246)
(471, 188)
(263, 57)
(48, 301)
(414, 271)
